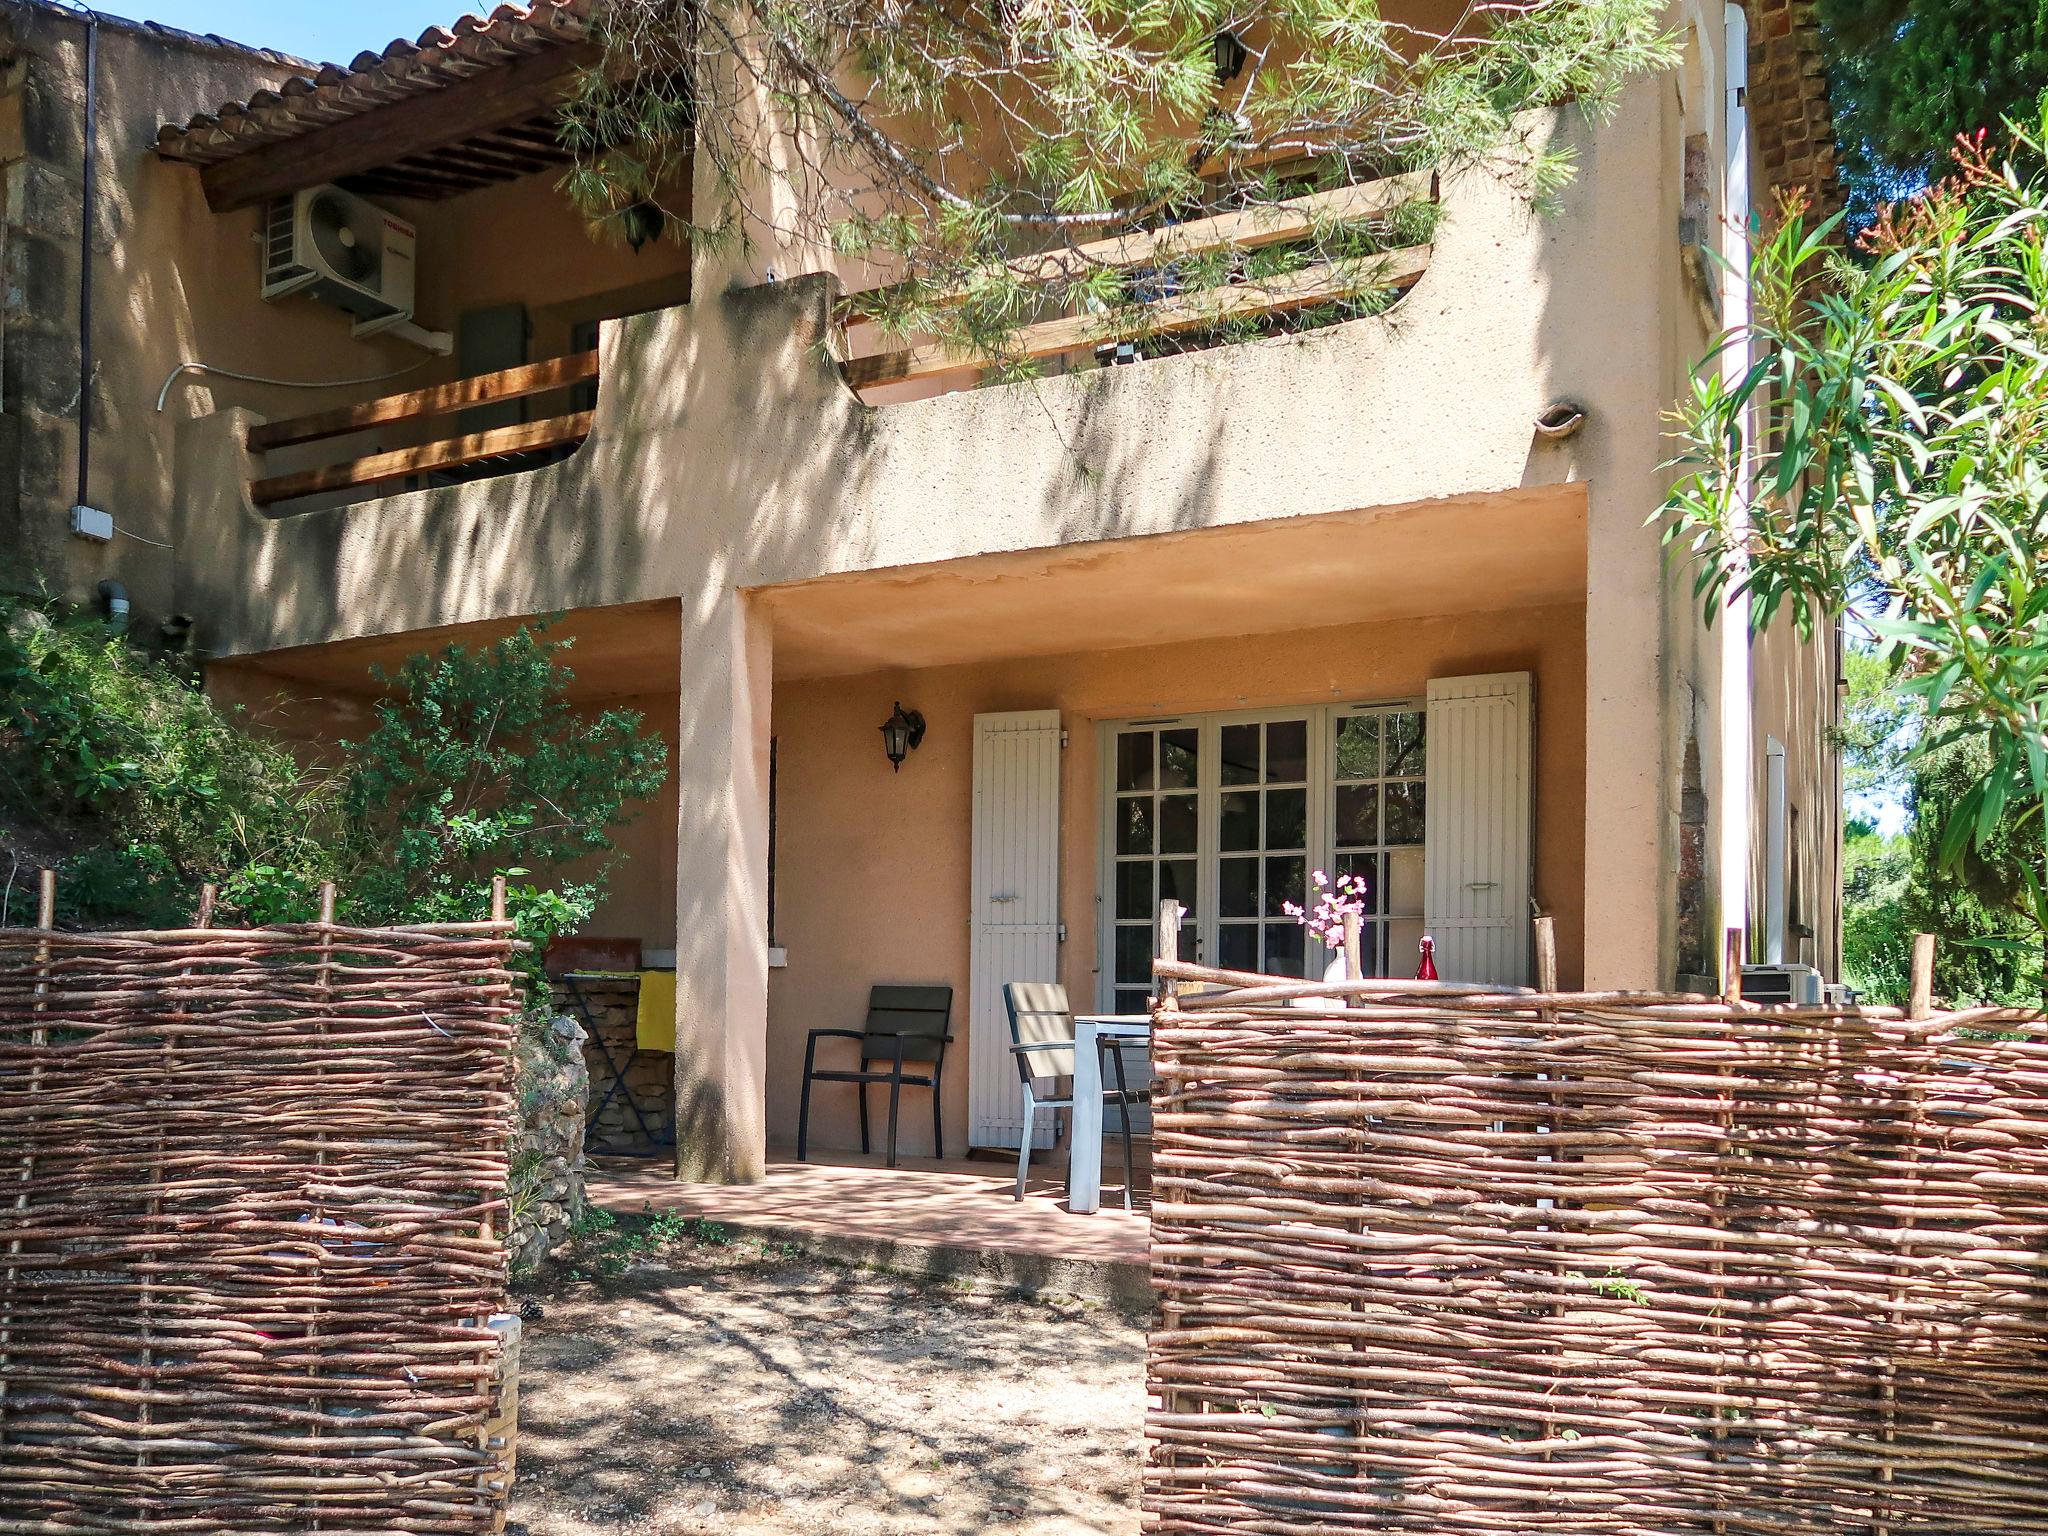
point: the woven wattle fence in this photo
(252, 1212)
(1506, 1263)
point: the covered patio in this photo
(1206, 715)
(1111, 723)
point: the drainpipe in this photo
(1735, 701)
(1777, 819)
(88, 194)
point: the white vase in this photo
(1334, 971)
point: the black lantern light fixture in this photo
(901, 734)
(643, 223)
(1230, 55)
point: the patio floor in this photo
(912, 1216)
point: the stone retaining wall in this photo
(553, 1086)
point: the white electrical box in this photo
(1800, 985)
(91, 523)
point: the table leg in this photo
(1084, 1142)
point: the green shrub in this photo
(477, 766)
(113, 753)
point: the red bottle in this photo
(1427, 970)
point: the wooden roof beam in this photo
(484, 103)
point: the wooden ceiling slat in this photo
(372, 186)
(498, 166)
(539, 133)
(491, 100)
(431, 173)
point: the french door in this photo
(1229, 813)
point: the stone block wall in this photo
(553, 1087)
(614, 1006)
(1788, 102)
(41, 204)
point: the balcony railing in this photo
(498, 449)
(1178, 314)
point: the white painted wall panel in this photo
(1014, 891)
(1477, 858)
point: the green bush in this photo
(110, 752)
(477, 766)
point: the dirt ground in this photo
(738, 1389)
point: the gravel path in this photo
(738, 1390)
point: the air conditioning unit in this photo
(1800, 985)
(333, 246)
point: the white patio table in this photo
(1084, 1149)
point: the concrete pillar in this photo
(721, 768)
(1629, 890)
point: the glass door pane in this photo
(1154, 842)
(1377, 767)
(1262, 844)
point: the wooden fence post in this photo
(1920, 996)
(319, 1211)
(1717, 1200)
(1165, 990)
(1354, 949)
(46, 920)
(202, 918)
(1167, 948)
(1731, 973)
(1546, 955)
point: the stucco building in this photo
(1379, 598)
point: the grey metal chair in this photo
(1042, 1042)
(905, 1026)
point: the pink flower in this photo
(1333, 904)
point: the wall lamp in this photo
(902, 732)
(643, 223)
(1230, 55)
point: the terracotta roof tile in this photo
(438, 57)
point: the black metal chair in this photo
(906, 1026)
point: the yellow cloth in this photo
(654, 1028)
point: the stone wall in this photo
(41, 152)
(547, 1153)
(1788, 102)
(146, 315)
(613, 1007)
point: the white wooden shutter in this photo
(1015, 911)
(1476, 857)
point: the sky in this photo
(325, 31)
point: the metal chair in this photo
(905, 1026)
(1042, 1042)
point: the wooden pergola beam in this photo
(1240, 229)
(435, 400)
(450, 453)
(1162, 317)
(484, 103)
